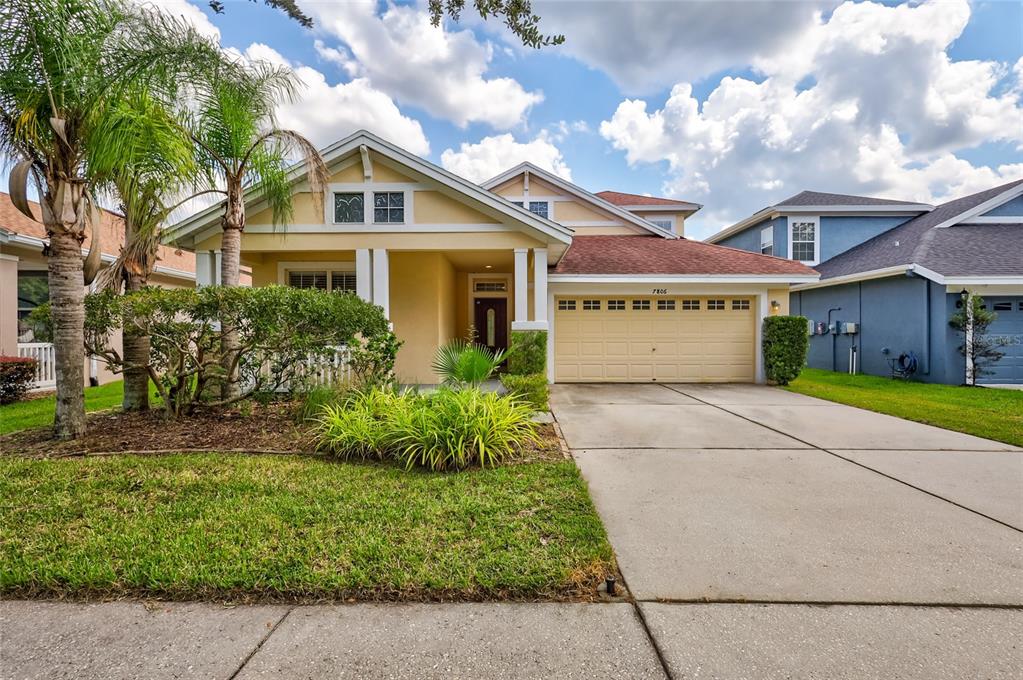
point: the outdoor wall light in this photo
(775, 306)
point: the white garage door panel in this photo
(663, 345)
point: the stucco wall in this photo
(840, 233)
(749, 239)
(422, 310)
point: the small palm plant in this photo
(462, 363)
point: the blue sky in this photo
(734, 105)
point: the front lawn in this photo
(984, 412)
(283, 527)
(39, 412)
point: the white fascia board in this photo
(897, 270)
(352, 143)
(688, 207)
(982, 280)
(679, 278)
(989, 204)
(903, 269)
(577, 191)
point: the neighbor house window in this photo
(640, 305)
(591, 305)
(388, 207)
(716, 304)
(339, 281)
(690, 305)
(804, 236)
(665, 305)
(1002, 307)
(738, 305)
(566, 305)
(616, 305)
(349, 208)
(540, 208)
(767, 241)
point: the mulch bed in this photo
(260, 429)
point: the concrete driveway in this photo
(750, 494)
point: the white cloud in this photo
(645, 46)
(184, 10)
(493, 155)
(439, 70)
(871, 104)
(326, 113)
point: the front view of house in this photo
(622, 295)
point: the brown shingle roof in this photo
(621, 198)
(656, 255)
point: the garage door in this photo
(665, 339)
(1007, 332)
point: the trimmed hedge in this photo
(16, 376)
(527, 354)
(533, 389)
(786, 342)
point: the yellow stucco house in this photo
(622, 295)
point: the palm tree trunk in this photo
(136, 357)
(230, 270)
(67, 303)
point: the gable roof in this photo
(926, 241)
(623, 199)
(352, 144)
(811, 202)
(641, 255)
(578, 192)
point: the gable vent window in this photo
(349, 208)
(640, 305)
(540, 208)
(1002, 307)
(717, 305)
(490, 286)
(690, 305)
(339, 281)
(566, 305)
(665, 305)
(738, 305)
(616, 305)
(591, 305)
(389, 207)
(767, 241)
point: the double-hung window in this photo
(337, 281)
(804, 235)
(767, 240)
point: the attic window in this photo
(541, 208)
(665, 223)
(388, 207)
(349, 208)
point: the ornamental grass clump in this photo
(446, 430)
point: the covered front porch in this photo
(430, 296)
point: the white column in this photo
(381, 281)
(550, 337)
(763, 311)
(363, 274)
(204, 275)
(521, 285)
(217, 259)
(540, 284)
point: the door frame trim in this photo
(472, 295)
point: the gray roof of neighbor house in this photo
(819, 198)
(930, 241)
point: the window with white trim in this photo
(665, 305)
(715, 305)
(641, 305)
(541, 208)
(591, 305)
(616, 305)
(566, 305)
(490, 286)
(690, 305)
(665, 223)
(349, 207)
(767, 240)
(388, 207)
(803, 233)
(740, 305)
(339, 281)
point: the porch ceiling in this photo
(477, 261)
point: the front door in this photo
(491, 321)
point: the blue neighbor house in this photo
(892, 275)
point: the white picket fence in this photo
(326, 371)
(46, 362)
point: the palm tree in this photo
(64, 65)
(239, 146)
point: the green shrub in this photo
(528, 352)
(372, 360)
(446, 430)
(461, 362)
(311, 402)
(533, 389)
(786, 342)
(16, 376)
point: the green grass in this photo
(990, 413)
(223, 526)
(22, 415)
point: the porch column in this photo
(363, 274)
(521, 285)
(217, 259)
(540, 285)
(8, 305)
(381, 281)
(763, 311)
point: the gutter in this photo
(678, 278)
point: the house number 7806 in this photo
(660, 291)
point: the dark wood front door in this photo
(491, 321)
